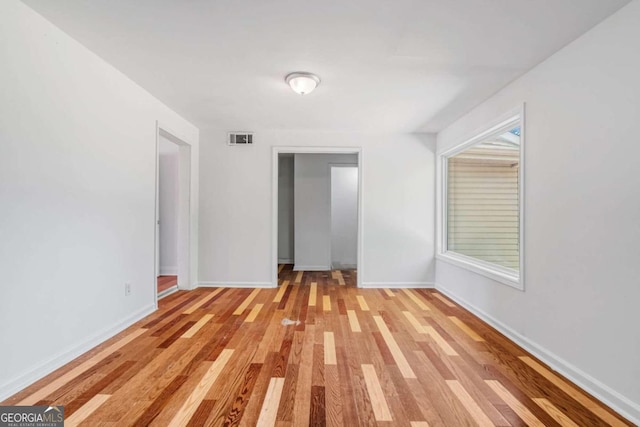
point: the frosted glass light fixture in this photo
(301, 82)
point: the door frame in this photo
(276, 150)
(184, 209)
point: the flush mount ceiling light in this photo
(302, 83)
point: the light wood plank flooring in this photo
(316, 351)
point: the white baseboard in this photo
(285, 261)
(169, 271)
(619, 403)
(311, 268)
(426, 285)
(235, 285)
(25, 379)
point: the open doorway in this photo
(317, 215)
(168, 202)
(172, 213)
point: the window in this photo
(481, 215)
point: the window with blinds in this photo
(483, 200)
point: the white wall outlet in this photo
(127, 289)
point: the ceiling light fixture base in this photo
(302, 82)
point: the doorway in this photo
(316, 215)
(172, 214)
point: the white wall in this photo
(312, 188)
(582, 212)
(398, 205)
(77, 188)
(168, 178)
(286, 247)
(344, 216)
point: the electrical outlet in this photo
(127, 289)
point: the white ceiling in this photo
(385, 65)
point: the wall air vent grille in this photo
(240, 138)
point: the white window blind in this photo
(483, 202)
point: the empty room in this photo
(407, 213)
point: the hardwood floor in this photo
(385, 357)
(165, 282)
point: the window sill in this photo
(485, 269)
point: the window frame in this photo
(493, 271)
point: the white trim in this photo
(399, 285)
(285, 261)
(487, 269)
(169, 271)
(311, 267)
(274, 201)
(235, 285)
(24, 380)
(619, 403)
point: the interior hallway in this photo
(408, 357)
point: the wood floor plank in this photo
(573, 392)
(56, 384)
(363, 303)
(414, 322)
(353, 321)
(326, 303)
(254, 313)
(257, 397)
(378, 402)
(466, 329)
(299, 276)
(269, 409)
(317, 412)
(416, 300)
(191, 404)
(241, 400)
(202, 301)
(443, 299)
(334, 405)
(340, 278)
(560, 417)
(313, 294)
(281, 291)
(238, 311)
(329, 349)
(442, 343)
(87, 409)
(305, 377)
(195, 328)
(397, 354)
(467, 401)
(517, 406)
(388, 292)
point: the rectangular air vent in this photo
(240, 138)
